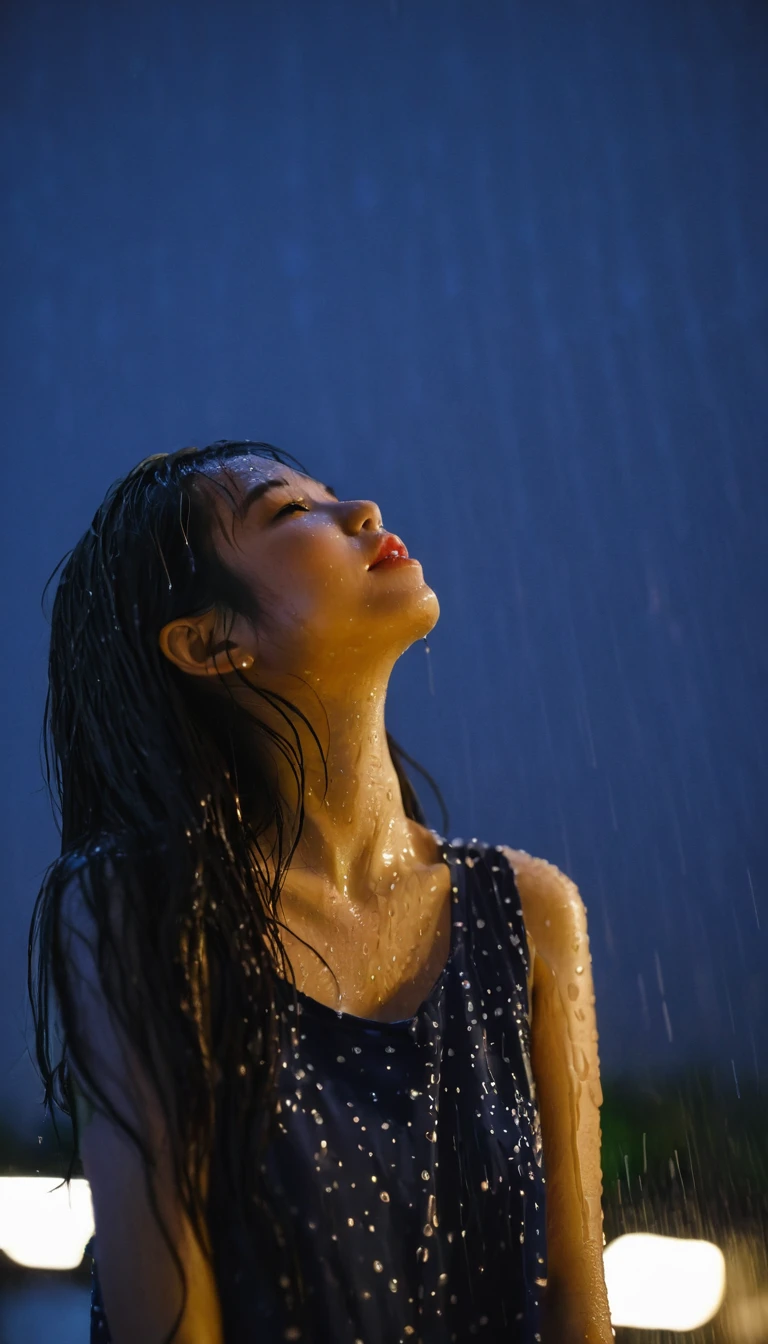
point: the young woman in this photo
(332, 1077)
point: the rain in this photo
(501, 269)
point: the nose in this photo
(365, 515)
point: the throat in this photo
(382, 967)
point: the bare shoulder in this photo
(542, 880)
(553, 908)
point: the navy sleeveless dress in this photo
(408, 1153)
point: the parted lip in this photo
(389, 544)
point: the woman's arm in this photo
(141, 1285)
(567, 1073)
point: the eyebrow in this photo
(256, 492)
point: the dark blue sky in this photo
(501, 268)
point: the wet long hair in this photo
(164, 795)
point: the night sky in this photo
(500, 267)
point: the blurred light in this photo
(663, 1283)
(42, 1224)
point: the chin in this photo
(407, 619)
(426, 613)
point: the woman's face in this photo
(307, 557)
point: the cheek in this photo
(316, 579)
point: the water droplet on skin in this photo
(580, 1063)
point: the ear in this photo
(190, 643)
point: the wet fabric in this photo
(408, 1153)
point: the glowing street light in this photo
(663, 1283)
(41, 1224)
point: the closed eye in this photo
(293, 504)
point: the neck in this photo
(356, 839)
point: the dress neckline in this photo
(375, 1023)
